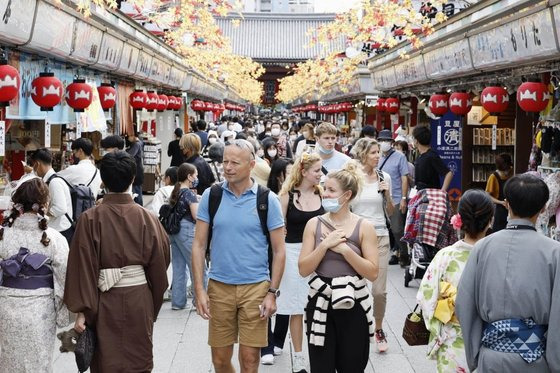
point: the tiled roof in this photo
(276, 37)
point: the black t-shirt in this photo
(427, 170)
(205, 175)
(176, 154)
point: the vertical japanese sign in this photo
(47, 134)
(447, 135)
(2, 138)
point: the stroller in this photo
(427, 229)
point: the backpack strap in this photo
(214, 201)
(94, 175)
(386, 159)
(262, 209)
(69, 186)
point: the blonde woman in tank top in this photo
(374, 203)
(339, 253)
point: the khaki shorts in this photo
(235, 311)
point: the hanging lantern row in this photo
(233, 107)
(305, 108)
(335, 108)
(152, 101)
(199, 105)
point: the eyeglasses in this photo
(243, 144)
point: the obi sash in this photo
(132, 275)
(26, 271)
(518, 336)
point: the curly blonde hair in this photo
(303, 162)
(362, 147)
(350, 177)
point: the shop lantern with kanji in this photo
(438, 104)
(137, 99)
(152, 101)
(494, 100)
(533, 96)
(46, 91)
(381, 105)
(460, 103)
(392, 105)
(10, 82)
(107, 96)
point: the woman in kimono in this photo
(32, 275)
(438, 289)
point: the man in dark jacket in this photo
(136, 150)
(174, 151)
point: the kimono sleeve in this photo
(466, 308)
(80, 293)
(59, 260)
(553, 334)
(156, 270)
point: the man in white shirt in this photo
(84, 171)
(60, 207)
(332, 160)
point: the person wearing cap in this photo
(396, 165)
(174, 151)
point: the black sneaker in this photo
(394, 260)
(404, 261)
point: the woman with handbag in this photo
(339, 253)
(438, 289)
(374, 204)
(185, 204)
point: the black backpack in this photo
(214, 201)
(169, 217)
(82, 197)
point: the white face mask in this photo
(212, 140)
(293, 137)
(385, 146)
(260, 153)
(272, 153)
(275, 132)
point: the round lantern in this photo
(381, 105)
(137, 99)
(163, 101)
(438, 104)
(9, 83)
(495, 100)
(393, 105)
(79, 95)
(312, 107)
(46, 91)
(175, 103)
(197, 105)
(460, 103)
(107, 96)
(152, 101)
(533, 96)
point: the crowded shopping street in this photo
(294, 186)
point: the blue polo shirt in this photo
(396, 166)
(239, 250)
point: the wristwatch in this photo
(274, 291)
(404, 198)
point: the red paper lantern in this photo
(163, 101)
(175, 102)
(438, 104)
(381, 105)
(533, 96)
(107, 96)
(222, 108)
(460, 103)
(10, 82)
(494, 99)
(198, 105)
(137, 99)
(312, 107)
(46, 91)
(152, 101)
(393, 105)
(79, 95)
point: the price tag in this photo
(47, 134)
(494, 132)
(2, 138)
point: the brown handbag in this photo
(414, 331)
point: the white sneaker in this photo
(299, 365)
(277, 351)
(267, 359)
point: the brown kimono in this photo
(116, 234)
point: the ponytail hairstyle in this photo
(183, 172)
(294, 179)
(31, 196)
(350, 177)
(476, 210)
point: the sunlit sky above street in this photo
(334, 6)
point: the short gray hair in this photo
(216, 152)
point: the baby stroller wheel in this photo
(407, 277)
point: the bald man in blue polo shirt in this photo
(241, 292)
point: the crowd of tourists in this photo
(278, 224)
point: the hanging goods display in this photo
(137, 99)
(460, 103)
(494, 100)
(79, 95)
(439, 104)
(107, 96)
(10, 82)
(393, 105)
(533, 96)
(46, 91)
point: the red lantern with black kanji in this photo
(107, 96)
(152, 101)
(438, 104)
(137, 99)
(163, 101)
(533, 96)
(10, 82)
(46, 91)
(460, 103)
(381, 105)
(494, 100)
(393, 105)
